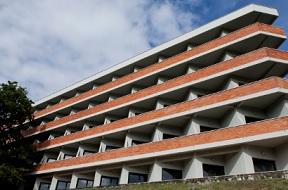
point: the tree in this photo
(15, 151)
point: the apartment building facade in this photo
(211, 102)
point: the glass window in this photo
(51, 160)
(108, 181)
(67, 156)
(62, 185)
(261, 165)
(212, 170)
(204, 128)
(108, 147)
(86, 152)
(135, 142)
(137, 178)
(44, 186)
(169, 174)
(82, 183)
(168, 136)
(251, 119)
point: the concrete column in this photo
(135, 89)
(234, 118)
(231, 83)
(227, 56)
(114, 78)
(53, 184)
(36, 184)
(136, 68)
(155, 172)
(192, 127)
(162, 80)
(105, 142)
(108, 119)
(91, 105)
(192, 95)
(193, 169)
(57, 117)
(62, 100)
(73, 111)
(73, 182)
(240, 163)
(95, 86)
(112, 97)
(134, 112)
(43, 122)
(124, 176)
(67, 132)
(77, 93)
(157, 135)
(51, 137)
(282, 157)
(161, 104)
(223, 33)
(279, 109)
(128, 141)
(189, 47)
(161, 58)
(97, 179)
(102, 147)
(132, 136)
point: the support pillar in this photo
(155, 172)
(124, 176)
(193, 169)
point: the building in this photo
(211, 102)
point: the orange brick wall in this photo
(170, 61)
(220, 67)
(263, 127)
(244, 90)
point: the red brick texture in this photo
(168, 62)
(220, 67)
(248, 130)
(259, 86)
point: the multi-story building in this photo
(211, 102)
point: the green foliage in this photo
(15, 151)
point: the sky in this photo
(46, 45)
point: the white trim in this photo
(216, 23)
(193, 148)
(166, 91)
(191, 111)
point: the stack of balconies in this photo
(209, 103)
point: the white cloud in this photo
(49, 44)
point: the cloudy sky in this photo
(46, 45)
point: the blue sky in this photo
(49, 44)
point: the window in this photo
(251, 119)
(86, 152)
(261, 165)
(51, 160)
(212, 170)
(137, 178)
(168, 136)
(44, 186)
(169, 174)
(109, 147)
(67, 156)
(83, 183)
(204, 128)
(62, 185)
(135, 142)
(108, 181)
